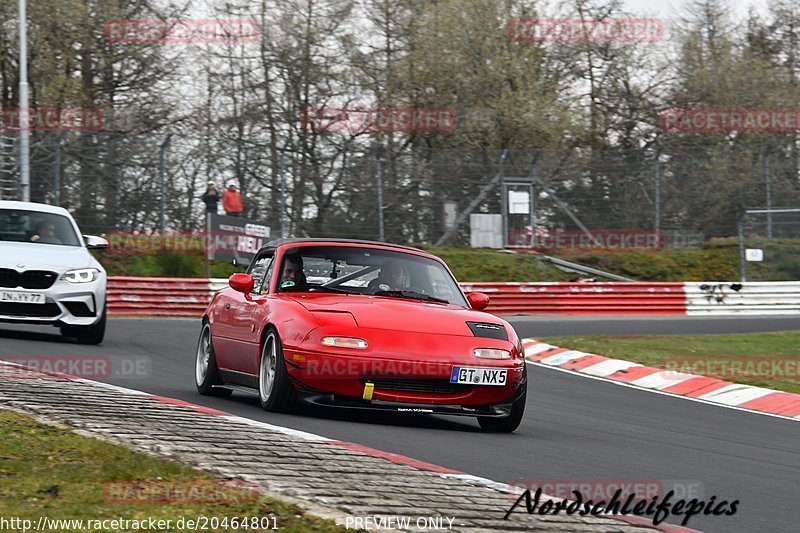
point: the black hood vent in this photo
(488, 330)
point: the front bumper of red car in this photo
(407, 374)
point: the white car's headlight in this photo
(491, 353)
(345, 342)
(83, 275)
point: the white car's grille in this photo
(29, 279)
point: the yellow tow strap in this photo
(368, 388)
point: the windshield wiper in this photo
(412, 295)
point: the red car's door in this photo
(244, 352)
(222, 330)
(259, 315)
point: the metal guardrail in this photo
(129, 296)
(750, 298)
(604, 298)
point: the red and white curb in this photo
(700, 388)
(302, 435)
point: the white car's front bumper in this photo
(66, 304)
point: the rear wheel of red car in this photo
(509, 423)
(275, 390)
(206, 373)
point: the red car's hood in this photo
(380, 312)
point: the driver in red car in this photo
(393, 276)
(293, 271)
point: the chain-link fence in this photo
(770, 242)
(690, 194)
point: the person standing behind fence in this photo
(232, 201)
(211, 198)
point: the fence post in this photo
(657, 223)
(379, 180)
(740, 227)
(57, 167)
(162, 178)
(24, 111)
(768, 187)
(282, 173)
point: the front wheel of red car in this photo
(509, 423)
(206, 373)
(275, 390)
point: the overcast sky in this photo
(671, 8)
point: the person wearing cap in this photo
(232, 201)
(211, 198)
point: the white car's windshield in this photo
(17, 225)
(371, 271)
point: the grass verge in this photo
(770, 360)
(717, 260)
(52, 472)
(466, 263)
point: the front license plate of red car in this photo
(472, 375)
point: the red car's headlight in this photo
(344, 342)
(491, 353)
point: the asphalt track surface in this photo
(574, 428)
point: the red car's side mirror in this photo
(478, 300)
(243, 283)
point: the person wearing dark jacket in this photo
(211, 198)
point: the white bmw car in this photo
(47, 275)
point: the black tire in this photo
(275, 390)
(68, 331)
(506, 424)
(205, 380)
(88, 334)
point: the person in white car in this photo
(46, 233)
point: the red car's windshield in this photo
(360, 270)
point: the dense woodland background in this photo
(587, 113)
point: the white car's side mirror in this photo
(95, 243)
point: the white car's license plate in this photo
(474, 375)
(22, 297)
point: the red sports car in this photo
(361, 325)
